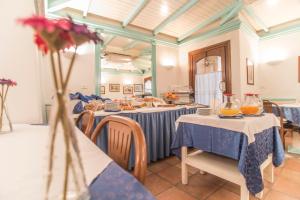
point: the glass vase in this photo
(66, 179)
(5, 122)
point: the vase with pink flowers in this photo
(5, 121)
(53, 37)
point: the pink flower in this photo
(59, 34)
(41, 44)
(8, 82)
(39, 23)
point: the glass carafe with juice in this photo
(250, 105)
(260, 103)
(231, 105)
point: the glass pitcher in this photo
(260, 103)
(231, 105)
(250, 105)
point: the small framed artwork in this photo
(114, 87)
(250, 72)
(102, 89)
(138, 87)
(127, 89)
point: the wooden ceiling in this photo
(176, 20)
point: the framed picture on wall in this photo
(250, 71)
(114, 87)
(127, 89)
(138, 87)
(102, 89)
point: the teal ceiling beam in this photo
(116, 30)
(130, 45)
(97, 68)
(106, 42)
(55, 5)
(280, 32)
(174, 15)
(153, 69)
(121, 71)
(247, 28)
(138, 8)
(233, 13)
(256, 19)
(146, 52)
(207, 22)
(228, 27)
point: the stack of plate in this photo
(203, 111)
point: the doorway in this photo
(210, 73)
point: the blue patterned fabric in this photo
(233, 145)
(292, 114)
(86, 98)
(116, 184)
(159, 129)
(78, 108)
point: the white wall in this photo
(248, 49)
(235, 58)
(18, 61)
(278, 68)
(167, 76)
(82, 77)
(122, 79)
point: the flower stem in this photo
(60, 69)
(2, 107)
(54, 71)
(65, 84)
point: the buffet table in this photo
(23, 156)
(158, 125)
(248, 140)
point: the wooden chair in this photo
(286, 127)
(120, 132)
(86, 119)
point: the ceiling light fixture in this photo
(164, 9)
(272, 2)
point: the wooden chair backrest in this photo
(268, 108)
(86, 120)
(120, 132)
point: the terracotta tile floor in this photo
(164, 181)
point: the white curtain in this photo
(207, 81)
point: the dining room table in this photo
(24, 159)
(291, 112)
(158, 124)
(248, 140)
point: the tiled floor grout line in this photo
(217, 189)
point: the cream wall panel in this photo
(19, 61)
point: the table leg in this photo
(244, 192)
(184, 170)
(269, 173)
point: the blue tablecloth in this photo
(159, 129)
(290, 113)
(233, 145)
(115, 184)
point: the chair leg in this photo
(184, 170)
(283, 139)
(269, 173)
(244, 192)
